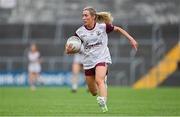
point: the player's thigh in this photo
(32, 74)
(101, 72)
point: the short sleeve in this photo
(78, 36)
(109, 28)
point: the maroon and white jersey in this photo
(95, 43)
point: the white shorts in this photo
(34, 68)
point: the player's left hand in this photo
(134, 44)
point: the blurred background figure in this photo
(34, 67)
(76, 69)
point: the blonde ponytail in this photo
(101, 17)
(104, 17)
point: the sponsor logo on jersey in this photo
(98, 33)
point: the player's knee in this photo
(94, 93)
(99, 82)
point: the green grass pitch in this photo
(59, 101)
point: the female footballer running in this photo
(96, 52)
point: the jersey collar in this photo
(90, 28)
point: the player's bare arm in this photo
(129, 37)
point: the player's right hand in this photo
(69, 49)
